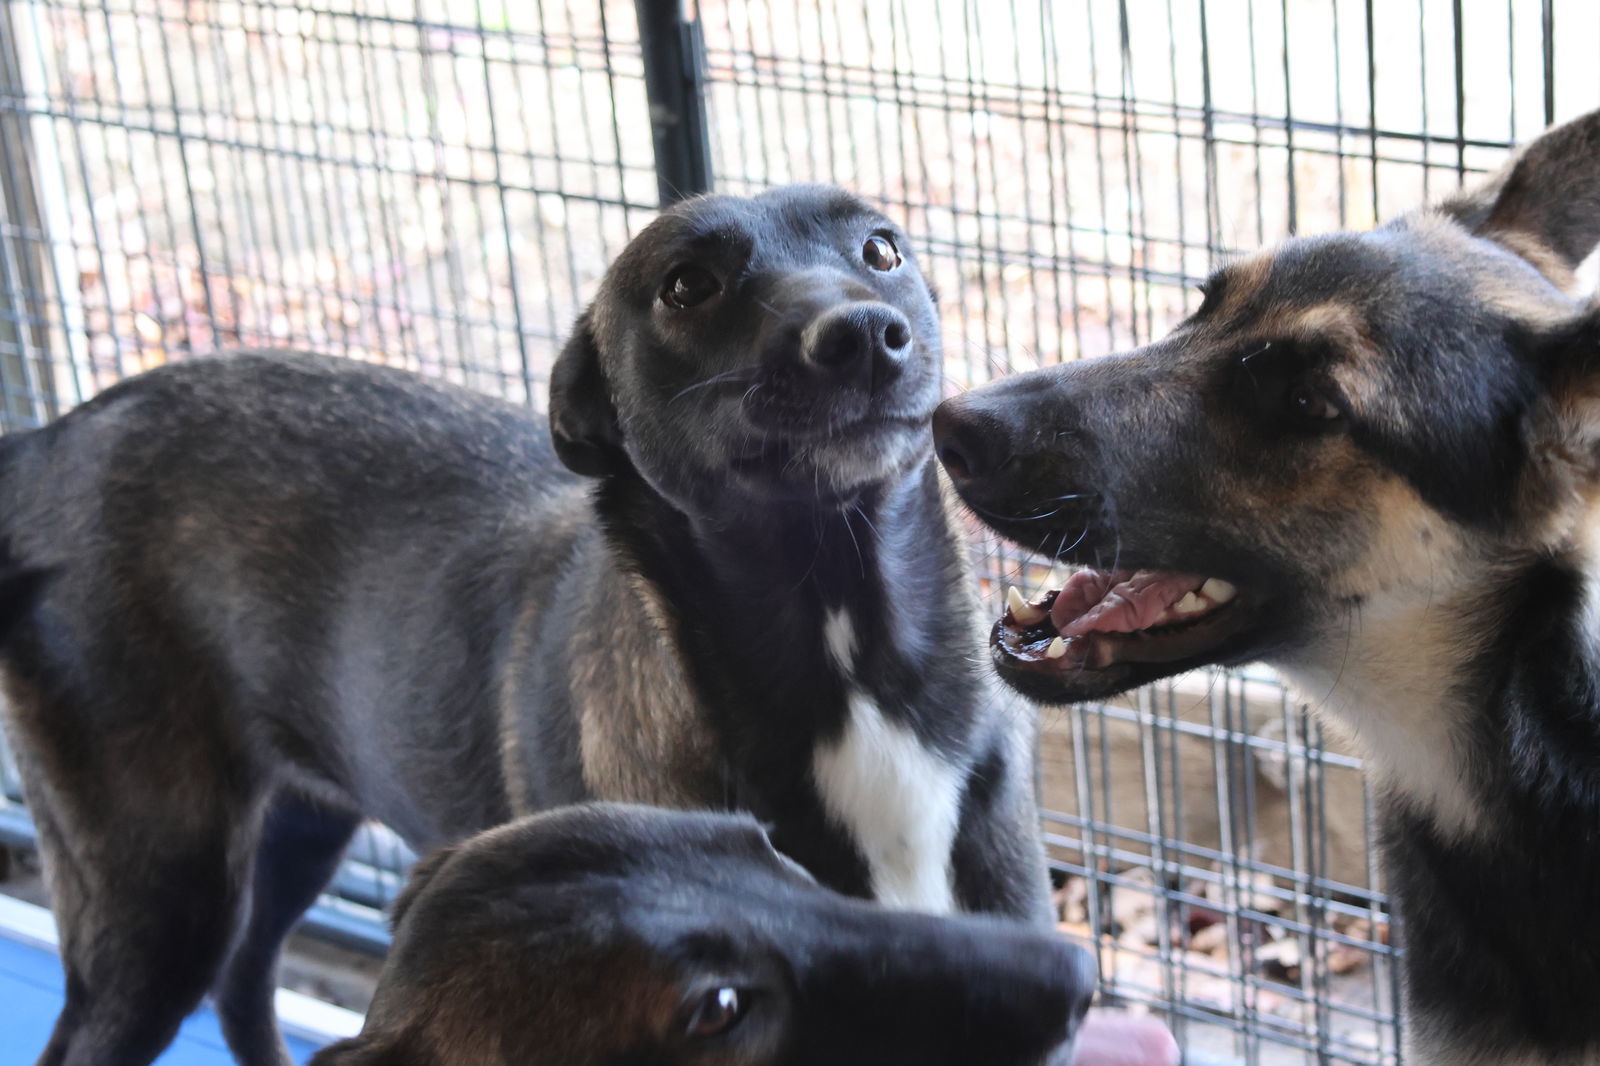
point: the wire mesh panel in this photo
(434, 185)
(438, 184)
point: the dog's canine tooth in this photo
(1218, 591)
(1190, 604)
(1056, 650)
(1023, 612)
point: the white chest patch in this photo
(899, 801)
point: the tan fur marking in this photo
(1246, 277)
(512, 762)
(1388, 673)
(455, 1016)
(642, 737)
(1357, 371)
(1529, 247)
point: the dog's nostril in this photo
(953, 443)
(896, 335)
(839, 350)
(955, 462)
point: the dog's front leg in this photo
(998, 859)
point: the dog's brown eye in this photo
(1306, 402)
(881, 254)
(688, 286)
(719, 1010)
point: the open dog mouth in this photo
(1109, 629)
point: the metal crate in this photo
(438, 184)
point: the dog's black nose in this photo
(971, 442)
(862, 341)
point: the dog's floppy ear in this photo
(583, 420)
(421, 874)
(1545, 204)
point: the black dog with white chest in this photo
(290, 592)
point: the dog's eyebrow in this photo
(717, 233)
(848, 212)
(711, 239)
(848, 209)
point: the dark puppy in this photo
(291, 592)
(611, 935)
(1373, 461)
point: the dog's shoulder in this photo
(603, 674)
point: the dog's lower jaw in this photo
(839, 475)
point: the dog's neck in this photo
(846, 633)
(1388, 668)
(1416, 672)
(1479, 714)
(1391, 679)
(889, 560)
(1504, 935)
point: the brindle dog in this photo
(290, 592)
(1373, 461)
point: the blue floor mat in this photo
(31, 994)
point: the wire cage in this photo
(438, 184)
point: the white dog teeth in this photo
(1217, 590)
(1190, 604)
(1022, 612)
(1056, 650)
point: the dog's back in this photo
(200, 507)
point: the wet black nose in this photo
(863, 341)
(972, 442)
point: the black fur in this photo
(293, 591)
(1502, 929)
(588, 936)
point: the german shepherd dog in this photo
(1372, 461)
(289, 592)
(604, 935)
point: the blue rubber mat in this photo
(31, 994)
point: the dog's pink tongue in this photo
(1119, 601)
